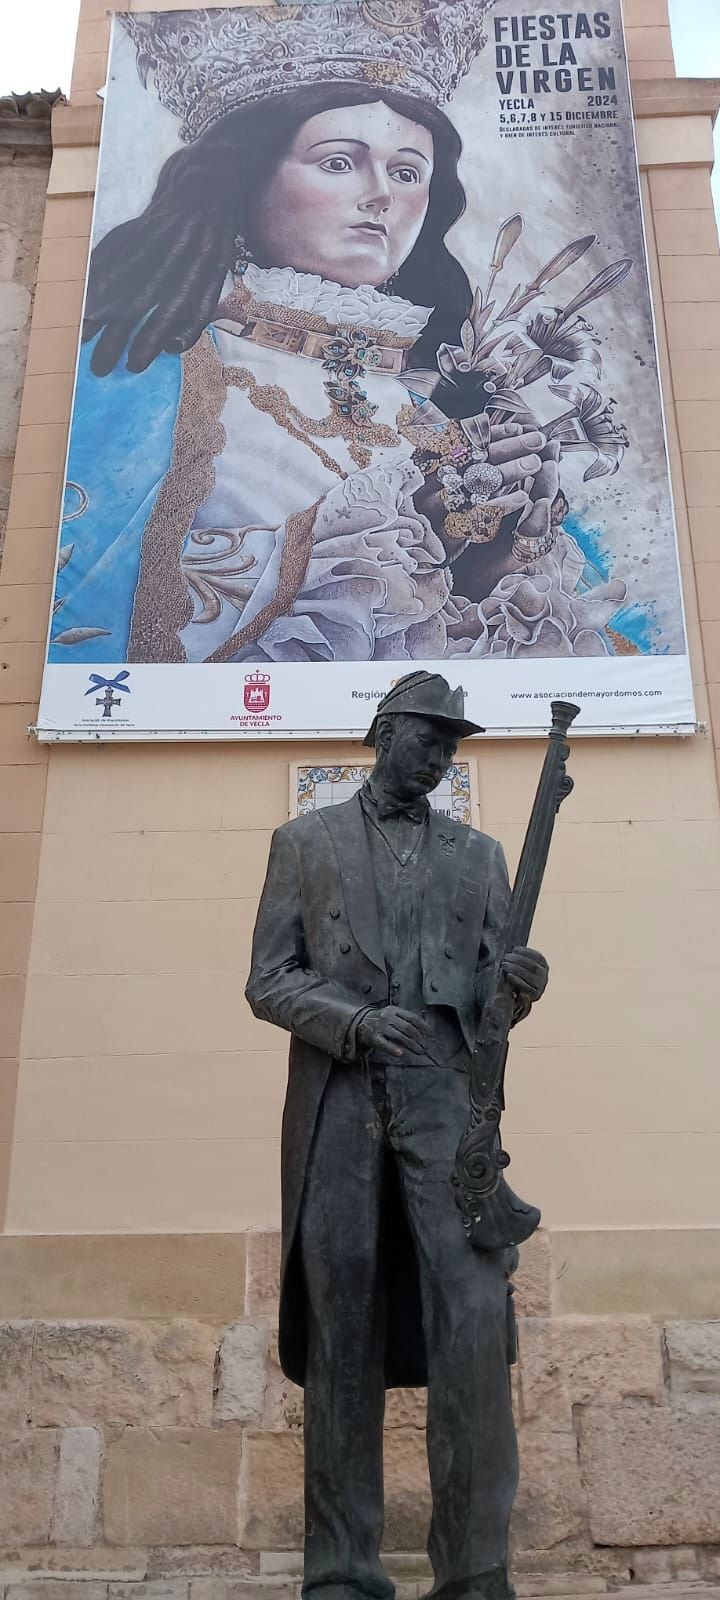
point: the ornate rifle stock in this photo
(493, 1216)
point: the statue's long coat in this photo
(317, 959)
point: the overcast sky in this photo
(37, 39)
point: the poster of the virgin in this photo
(367, 381)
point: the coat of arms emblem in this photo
(257, 691)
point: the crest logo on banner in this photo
(257, 691)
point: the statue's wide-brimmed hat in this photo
(425, 694)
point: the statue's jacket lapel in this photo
(346, 827)
(460, 870)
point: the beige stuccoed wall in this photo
(148, 1099)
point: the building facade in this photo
(25, 154)
(146, 1433)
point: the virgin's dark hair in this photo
(155, 282)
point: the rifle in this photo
(493, 1216)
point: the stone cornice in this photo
(676, 97)
(652, 97)
(22, 134)
(25, 120)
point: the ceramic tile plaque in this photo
(313, 787)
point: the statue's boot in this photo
(492, 1585)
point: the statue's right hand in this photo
(396, 1032)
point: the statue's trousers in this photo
(400, 1125)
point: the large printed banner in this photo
(368, 380)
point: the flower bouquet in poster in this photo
(514, 354)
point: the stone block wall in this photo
(168, 1449)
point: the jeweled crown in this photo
(206, 63)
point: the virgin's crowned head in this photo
(314, 139)
(358, 188)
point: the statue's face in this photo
(417, 756)
(349, 198)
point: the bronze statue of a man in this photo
(376, 933)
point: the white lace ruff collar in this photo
(363, 307)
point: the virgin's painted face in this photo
(349, 198)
